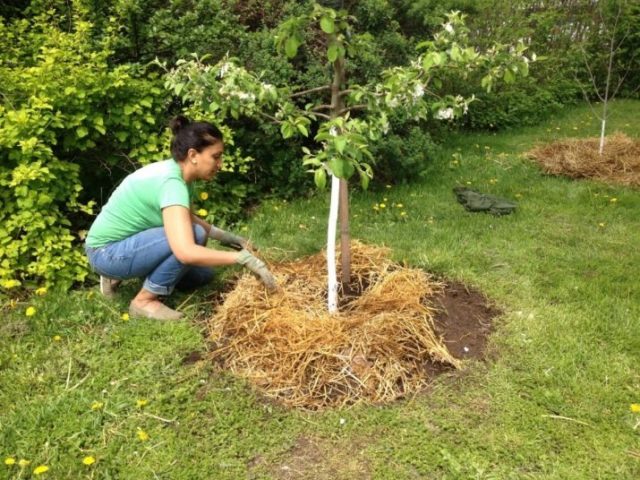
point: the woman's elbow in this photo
(184, 256)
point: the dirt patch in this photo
(192, 357)
(464, 320)
(580, 158)
(317, 459)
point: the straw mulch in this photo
(291, 350)
(579, 158)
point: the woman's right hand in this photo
(259, 268)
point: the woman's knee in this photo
(200, 234)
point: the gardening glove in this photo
(229, 239)
(258, 267)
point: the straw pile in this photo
(291, 350)
(579, 158)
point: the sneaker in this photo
(108, 286)
(158, 313)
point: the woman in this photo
(146, 229)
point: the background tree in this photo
(610, 57)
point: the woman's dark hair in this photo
(187, 134)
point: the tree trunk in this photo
(339, 201)
(332, 284)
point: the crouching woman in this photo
(146, 229)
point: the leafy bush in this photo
(64, 111)
(403, 156)
(525, 103)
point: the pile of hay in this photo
(375, 349)
(579, 158)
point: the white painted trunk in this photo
(602, 129)
(332, 284)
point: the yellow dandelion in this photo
(613, 200)
(9, 284)
(89, 460)
(141, 402)
(97, 405)
(40, 469)
(575, 128)
(30, 311)
(635, 407)
(385, 199)
(57, 338)
(244, 229)
(9, 461)
(601, 224)
(375, 207)
(125, 317)
(468, 183)
(557, 128)
(403, 214)
(382, 205)
(202, 212)
(388, 186)
(399, 205)
(41, 291)
(487, 147)
(204, 195)
(23, 462)
(142, 435)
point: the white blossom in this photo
(333, 131)
(445, 114)
(224, 69)
(448, 27)
(244, 96)
(393, 103)
(418, 91)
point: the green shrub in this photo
(524, 103)
(64, 111)
(403, 156)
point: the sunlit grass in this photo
(89, 393)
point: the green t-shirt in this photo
(136, 205)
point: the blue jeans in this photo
(147, 254)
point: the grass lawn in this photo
(552, 401)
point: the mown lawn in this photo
(552, 401)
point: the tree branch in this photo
(352, 108)
(269, 117)
(591, 75)
(309, 91)
(325, 106)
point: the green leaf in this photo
(332, 52)
(455, 53)
(303, 130)
(340, 143)
(327, 25)
(82, 132)
(128, 109)
(320, 178)
(509, 76)
(336, 165)
(364, 179)
(286, 130)
(291, 47)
